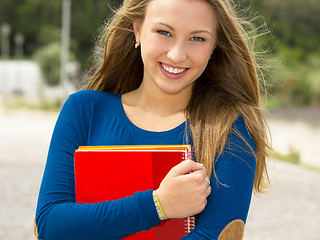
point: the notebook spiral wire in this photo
(190, 222)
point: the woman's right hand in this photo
(184, 191)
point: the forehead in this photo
(184, 13)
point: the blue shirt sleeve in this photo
(58, 216)
(232, 189)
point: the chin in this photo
(175, 90)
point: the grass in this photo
(292, 157)
(20, 102)
(313, 168)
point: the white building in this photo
(23, 77)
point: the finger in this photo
(209, 191)
(207, 180)
(185, 167)
(201, 174)
(204, 172)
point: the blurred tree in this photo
(294, 47)
(29, 17)
(86, 18)
(48, 58)
(115, 3)
(293, 22)
(40, 22)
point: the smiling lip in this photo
(172, 72)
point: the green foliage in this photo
(29, 17)
(294, 22)
(47, 34)
(40, 22)
(292, 157)
(50, 105)
(48, 59)
(21, 102)
(85, 25)
(294, 45)
(295, 80)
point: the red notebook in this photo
(142, 168)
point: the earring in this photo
(137, 44)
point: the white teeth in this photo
(173, 70)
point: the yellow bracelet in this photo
(157, 204)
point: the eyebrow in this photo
(193, 32)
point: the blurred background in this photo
(46, 50)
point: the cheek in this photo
(200, 59)
(153, 51)
(148, 55)
(158, 44)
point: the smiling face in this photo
(177, 39)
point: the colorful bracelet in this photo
(157, 204)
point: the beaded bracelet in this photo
(157, 204)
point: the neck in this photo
(157, 102)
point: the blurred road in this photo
(24, 141)
(289, 211)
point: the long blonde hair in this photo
(228, 87)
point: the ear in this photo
(136, 29)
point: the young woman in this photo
(172, 72)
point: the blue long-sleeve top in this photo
(98, 118)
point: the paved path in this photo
(24, 141)
(290, 210)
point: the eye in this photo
(164, 33)
(197, 39)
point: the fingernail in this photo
(200, 164)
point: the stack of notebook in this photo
(111, 172)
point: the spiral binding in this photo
(189, 222)
(189, 154)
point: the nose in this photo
(177, 53)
